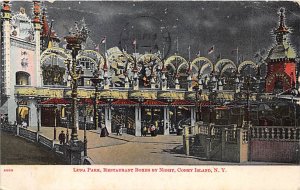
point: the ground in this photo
(16, 150)
(111, 150)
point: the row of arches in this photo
(149, 66)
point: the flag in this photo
(103, 41)
(134, 42)
(211, 50)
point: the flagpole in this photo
(105, 47)
(237, 55)
(177, 44)
(189, 53)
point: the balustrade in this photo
(274, 133)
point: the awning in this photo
(222, 108)
(182, 103)
(154, 103)
(124, 102)
(205, 103)
(56, 101)
(89, 101)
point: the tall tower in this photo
(281, 63)
(6, 26)
(37, 36)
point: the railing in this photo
(285, 133)
(9, 128)
(28, 134)
(45, 141)
(230, 135)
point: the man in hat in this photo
(62, 137)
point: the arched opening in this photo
(22, 113)
(22, 78)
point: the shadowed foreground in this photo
(16, 150)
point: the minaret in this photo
(135, 77)
(37, 36)
(6, 17)
(281, 63)
(164, 82)
(105, 75)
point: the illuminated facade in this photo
(135, 89)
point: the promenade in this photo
(131, 150)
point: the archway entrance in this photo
(22, 113)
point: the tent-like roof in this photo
(182, 103)
(55, 101)
(154, 103)
(124, 102)
(89, 101)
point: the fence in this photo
(41, 140)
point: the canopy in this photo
(89, 101)
(154, 103)
(124, 102)
(55, 101)
(182, 103)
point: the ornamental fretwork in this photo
(53, 75)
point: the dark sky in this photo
(226, 25)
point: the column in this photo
(37, 38)
(6, 16)
(33, 115)
(166, 121)
(108, 118)
(193, 116)
(138, 119)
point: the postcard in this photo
(150, 95)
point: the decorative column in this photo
(6, 17)
(166, 120)
(189, 80)
(138, 120)
(220, 85)
(237, 85)
(177, 85)
(193, 116)
(37, 37)
(105, 76)
(127, 85)
(107, 115)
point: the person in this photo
(153, 130)
(24, 124)
(62, 137)
(104, 132)
(145, 131)
(121, 130)
(118, 129)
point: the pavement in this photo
(131, 150)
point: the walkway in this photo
(131, 150)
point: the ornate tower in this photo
(281, 63)
(37, 36)
(6, 27)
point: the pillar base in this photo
(74, 152)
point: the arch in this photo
(245, 63)
(221, 63)
(55, 51)
(22, 78)
(198, 64)
(92, 56)
(226, 67)
(179, 61)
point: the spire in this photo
(44, 23)
(36, 12)
(6, 12)
(282, 29)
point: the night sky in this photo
(198, 24)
